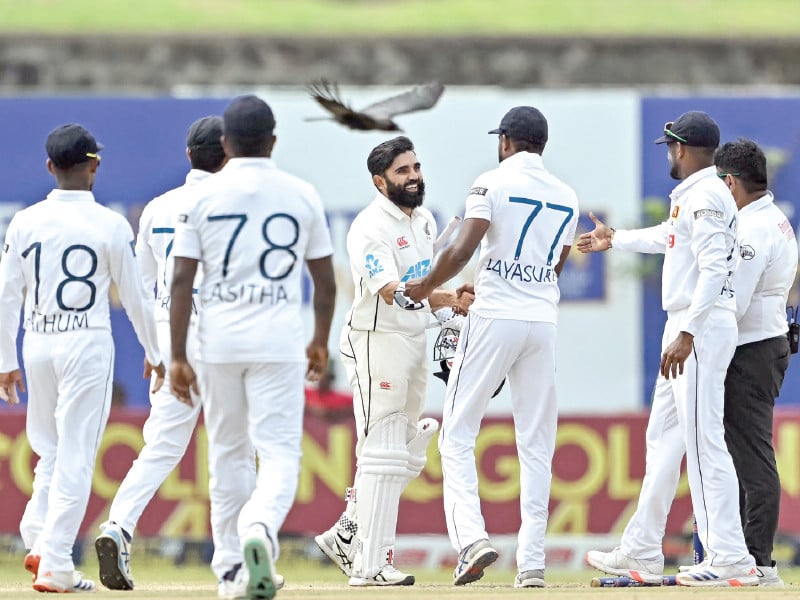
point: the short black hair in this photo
(746, 160)
(527, 146)
(383, 155)
(203, 141)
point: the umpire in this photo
(764, 275)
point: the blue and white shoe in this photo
(472, 561)
(114, 555)
(739, 574)
(63, 582)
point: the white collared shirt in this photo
(532, 215)
(63, 253)
(699, 244)
(765, 271)
(384, 245)
(156, 237)
(252, 226)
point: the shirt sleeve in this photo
(137, 303)
(319, 236)
(651, 240)
(12, 283)
(144, 253)
(479, 200)
(708, 227)
(371, 257)
(187, 238)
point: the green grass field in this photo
(306, 580)
(718, 18)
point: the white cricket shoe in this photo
(705, 575)
(768, 577)
(472, 560)
(63, 582)
(114, 556)
(616, 562)
(339, 544)
(259, 563)
(532, 578)
(388, 575)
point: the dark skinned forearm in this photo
(321, 271)
(180, 308)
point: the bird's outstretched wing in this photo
(327, 94)
(417, 98)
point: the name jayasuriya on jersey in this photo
(58, 323)
(523, 273)
(247, 293)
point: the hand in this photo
(9, 382)
(317, 355)
(417, 289)
(160, 372)
(676, 354)
(463, 301)
(183, 381)
(468, 288)
(597, 240)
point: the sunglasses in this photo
(94, 155)
(668, 131)
(724, 175)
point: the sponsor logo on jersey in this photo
(478, 191)
(675, 212)
(402, 242)
(373, 265)
(183, 218)
(417, 270)
(747, 252)
(385, 385)
(708, 212)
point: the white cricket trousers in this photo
(687, 417)
(69, 377)
(525, 353)
(250, 407)
(167, 432)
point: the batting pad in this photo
(382, 476)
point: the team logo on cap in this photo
(747, 252)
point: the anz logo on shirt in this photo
(417, 270)
(373, 265)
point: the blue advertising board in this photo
(771, 122)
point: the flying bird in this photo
(378, 115)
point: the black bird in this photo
(378, 115)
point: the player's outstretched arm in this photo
(321, 271)
(597, 240)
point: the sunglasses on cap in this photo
(724, 175)
(94, 155)
(668, 132)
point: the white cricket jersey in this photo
(384, 245)
(699, 245)
(252, 226)
(156, 238)
(765, 270)
(533, 216)
(64, 252)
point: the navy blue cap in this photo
(693, 128)
(524, 123)
(70, 145)
(248, 117)
(205, 132)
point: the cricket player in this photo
(383, 348)
(699, 245)
(252, 227)
(61, 255)
(169, 427)
(524, 219)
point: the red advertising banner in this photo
(597, 471)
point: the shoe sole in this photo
(259, 566)
(111, 575)
(329, 552)
(475, 571)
